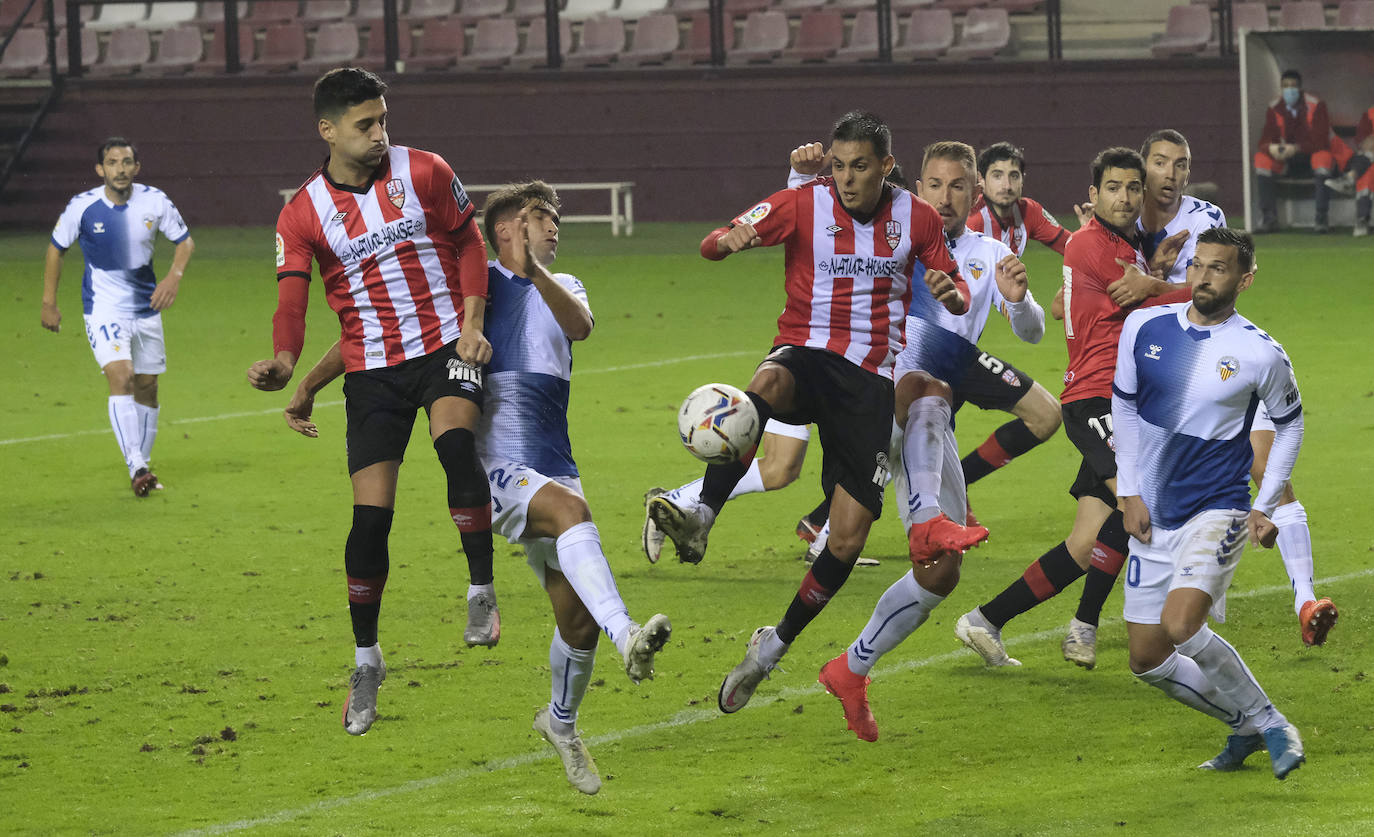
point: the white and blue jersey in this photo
(1191, 393)
(117, 243)
(529, 378)
(1194, 215)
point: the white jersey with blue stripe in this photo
(117, 243)
(937, 341)
(1195, 390)
(1194, 215)
(529, 378)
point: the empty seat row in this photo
(1189, 29)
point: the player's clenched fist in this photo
(1011, 278)
(944, 290)
(270, 375)
(811, 158)
(739, 238)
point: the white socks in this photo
(750, 483)
(1295, 547)
(147, 423)
(572, 671)
(585, 566)
(124, 419)
(369, 656)
(1222, 681)
(900, 611)
(475, 590)
(771, 649)
(923, 440)
(1181, 679)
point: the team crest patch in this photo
(756, 214)
(1227, 366)
(893, 231)
(1011, 378)
(149, 222)
(977, 268)
(396, 192)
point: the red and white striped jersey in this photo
(849, 283)
(1029, 220)
(397, 256)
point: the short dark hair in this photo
(507, 201)
(959, 152)
(343, 87)
(897, 177)
(861, 126)
(996, 153)
(1116, 158)
(1293, 74)
(1239, 239)
(113, 142)
(1162, 135)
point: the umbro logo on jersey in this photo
(396, 192)
(1153, 354)
(893, 231)
(1227, 366)
(339, 216)
(834, 229)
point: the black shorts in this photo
(381, 403)
(852, 410)
(1088, 424)
(990, 383)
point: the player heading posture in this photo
(1188, 378)
(1104, 277)
(121, 297)
(394, 236)
(852, 243)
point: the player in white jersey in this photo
(121, 296)
(1188, 379)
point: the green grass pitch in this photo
(177, 664)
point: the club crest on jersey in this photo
(396, 192)
(756, 214)
(976, 267)
(1227, 366)
(1011, 379)
(893, 231)
(149, 221)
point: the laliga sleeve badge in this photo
(281, 251)
(755, 215)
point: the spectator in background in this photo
(1358, 179)
(1297, 140)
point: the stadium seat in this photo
(603, 39)
(796, 7)
(1359, 13)
(442, 42)
(26, 55)
(819, 36)
(336, 45)
(1302, 14)
(1187, 32)
(179, 51)
(320, 11)
(90, 49)
(698, 47)
(636, 9)
(986, 32)
(368, 11)
(863, 38)
(927, 34)
(213, 12)
(1252, 16)
(374, 54)
(656, 39)
(115, 16)
(493, 44)
(536, 50)
(267, 12)
(214, 53)
(764, 38)
(526, 10)
(169, 15)
(472, 11)
(740, 8)
(127, 50)
(583, 9)
(283, 48)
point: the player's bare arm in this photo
(1012, 278)
(1057, 304)
(944, 290)
(325, 370)
(810, 159)
(473, 346)
(51, 316)
(1137, 517)
(1136, 286)
(166, 291)
(1167, 253)
(569, 312)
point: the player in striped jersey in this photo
(393, 233)
(121, 297)
(1005, 214)
(1188, 379)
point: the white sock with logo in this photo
(1225, 669)
(147, 422)
(923, 441)
(585, 566)
(1180, 678)
(902, 609)
(1295, 547)
(370, 655)
(572, 671)
(128, 434)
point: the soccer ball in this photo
(718, 424)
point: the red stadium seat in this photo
(371, 10)
(955, 6)
(90, 49)
(764, 38)
(26, 54)
(1302, 14)
(179, 50)
(336, 45)
(656, 38)
(1252, 16)
(127, 50)
(698, 47)
(214, 55)
(319, 11)
(927, 34)
(283, 48)
(536, 50)
(493, 44)
(1018, 7)
(374, 54)
(603, 39)
(1358, 13)
(819, 36)
(442, 43)
(1187, 32)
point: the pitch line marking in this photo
(274, 410)
(687, 717)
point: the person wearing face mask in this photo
(1297, 141)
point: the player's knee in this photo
(917, 385)
(365, 553)
(773, 383)
(1040, 411)
(780, 467)
(120, 376)
(845, 546)
(1180, 626)
(467, 481)
(569, 509)
(145, 390)
(941, 578)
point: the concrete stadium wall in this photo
(699, 145)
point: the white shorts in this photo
(513, 487)
(120, 335)
(1262, 420)
(1201, 554)
(791, 431)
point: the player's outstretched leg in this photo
(687, 525)
(761, 656)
